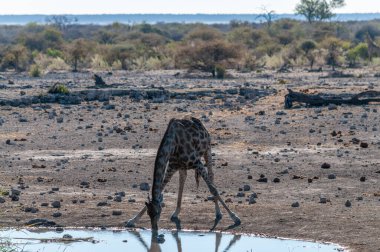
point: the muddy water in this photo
(141, 240)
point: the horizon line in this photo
(84, 14)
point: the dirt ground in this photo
(81, 155)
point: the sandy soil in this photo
(83, 154)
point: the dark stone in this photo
(2, 200)
(348, 203)
(295, 204)
(116, 212)
(246, 188)
(144, 187)
(40, 222)
(57, 214)
(240, 194)
(362, 179)
(364, 145)
(56, 204)
(325, 166)
(276, 180)
(263, 180)
(102, 203)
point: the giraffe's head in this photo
(154, 212)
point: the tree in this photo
(207, 56)
(77, 51)
(318, 9)
(61, 21)
(268, 16)
(308, 46)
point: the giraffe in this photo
(184, 144)
(373, 49)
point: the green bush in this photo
(35, 71)
(206, 55)
(58, 88)
(220, 72)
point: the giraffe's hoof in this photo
(218, 217)
(130, 224)
(177, 222)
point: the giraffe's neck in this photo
(163, 154)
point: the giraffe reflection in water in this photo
(155, 242)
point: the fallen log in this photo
(326, 99)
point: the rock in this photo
(99, 80)
(144, 186)
(85, 184)
(57, 214)
(60, 120)
(332, 107)
(262, 180)
(59, 229)
(67, 236)
(102, 203)
(322, 200)
(364, 145)
(348, 203)
(117, 198)
(295, 204)
(2, 200)
(30, 210)
(252, 198)
(276, 180)
(131, 200)
(240, 194)
(8, 141)
(246, 188)
(121, 194)
(56, 204)
(325, 166)
(331, 176)
(362, 179)
(116, 212)
(22, 119)
(40, 222)
(250, 177)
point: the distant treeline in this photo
(106, 19)
(62, 44)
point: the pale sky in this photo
(166, 6)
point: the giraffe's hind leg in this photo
(174, 218)
(203, 171)
(210, 173)
(168, 175)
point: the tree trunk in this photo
(326, 99)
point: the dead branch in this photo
(326, 99)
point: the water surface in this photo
(141, 241)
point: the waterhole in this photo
(142, 240)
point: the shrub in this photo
(205, 33)
(308, 47)
(334, 51)
(206, 55)
(58, 88)
(98, 63)
(220, 72)
(35, 71)
(16, 57)
(47, 64)
(356, 53)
